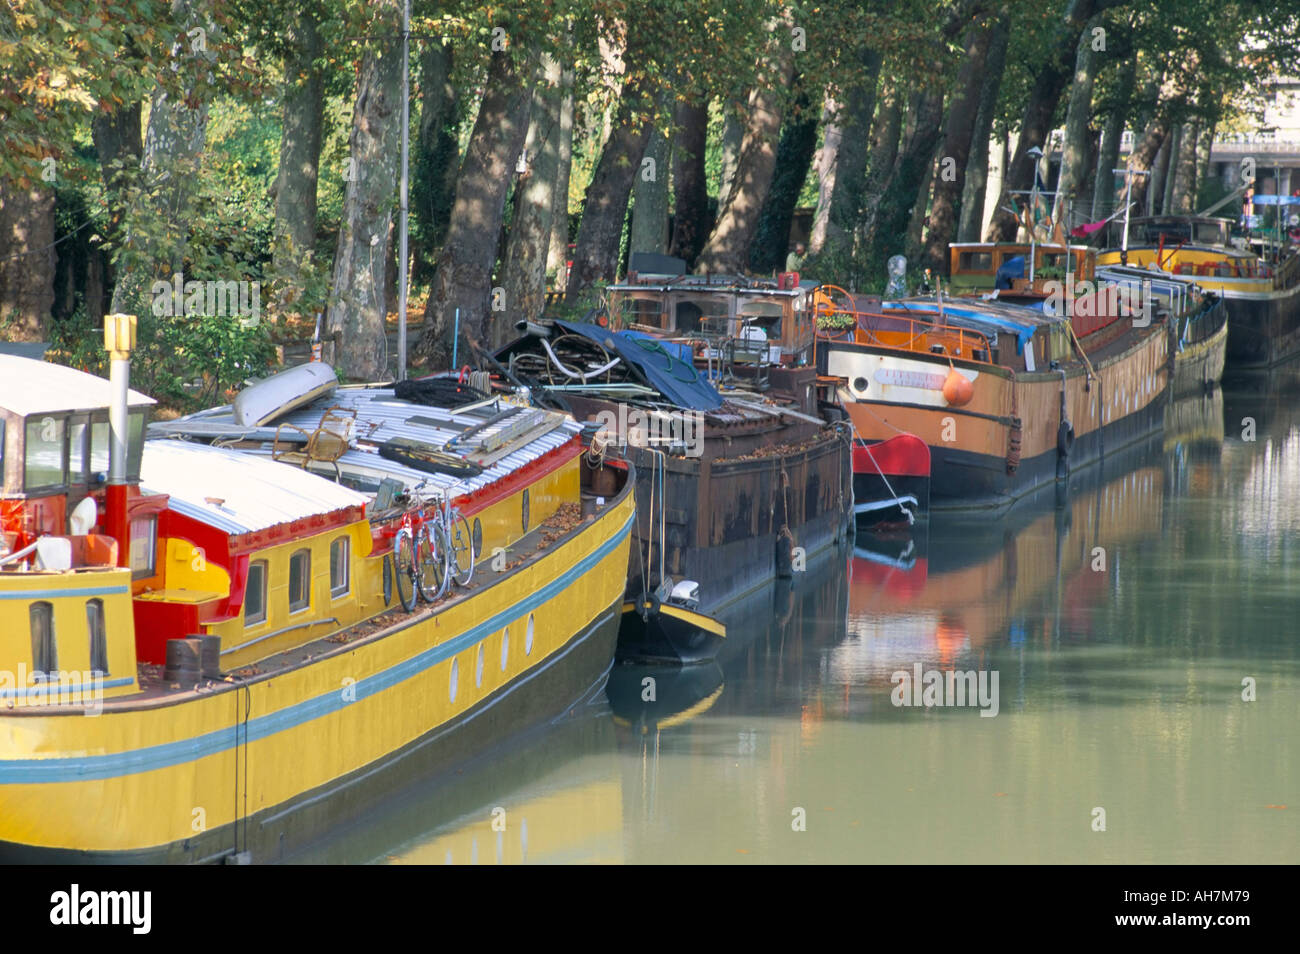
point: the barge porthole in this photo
(860, 385)
(505, 647)
(455, 678)
(528, 637)
(478, 668)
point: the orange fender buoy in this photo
(957, 389)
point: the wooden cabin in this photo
(974, 266)
(773, 317)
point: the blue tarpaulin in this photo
(665, 364)
(1010, 270)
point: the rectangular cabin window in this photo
(98, 636)
(645, 311)
(144, 546)
(77, 451)
(701, 315)
(339, 567)
(975, 262)
(134, 444)
(46, 454)
(255, 594)
(99, 441)
(45, 659)
(299, 581)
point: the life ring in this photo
(1064, 438)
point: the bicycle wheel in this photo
(433, 577)
(462, 549)
(404, 568)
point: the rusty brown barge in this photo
(739, 479)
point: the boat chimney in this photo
(119, 340)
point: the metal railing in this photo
(905, 333)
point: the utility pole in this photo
(403, 270)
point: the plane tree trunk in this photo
(1050, 81)
(300, 144)
(691, 188)
(963, 111)
(727, 249)
(358, 304)
(524, 275)
(463, 279)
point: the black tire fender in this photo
(1064, 438)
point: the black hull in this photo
(574, 676)
(660, 638)
(870, 491)
(723, 524)
(963, 480)
(1263, 332)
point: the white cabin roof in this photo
(254, 493)
(37, 387)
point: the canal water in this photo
(1142, 625)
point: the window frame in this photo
(338, 590)
(37, 420)
(973, 261)
(96, 421)
(97, 633)
(305, 602)
(80, 476)
(151, 570)
(41, 673)
(260, 566)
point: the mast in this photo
(402, 270)
(1033, 210)
(1128, 194)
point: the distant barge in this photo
(1007, 395)
(1262, 297)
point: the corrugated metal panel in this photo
(380, 417)
(237, 492)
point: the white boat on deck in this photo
(284, 392)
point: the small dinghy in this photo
(654, 631)
(283, 392)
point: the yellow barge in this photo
(209, 661)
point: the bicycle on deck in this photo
(433, 546)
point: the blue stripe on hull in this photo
(82, 768)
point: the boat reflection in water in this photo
(555, 798)
(949, 597)
(660, 697)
